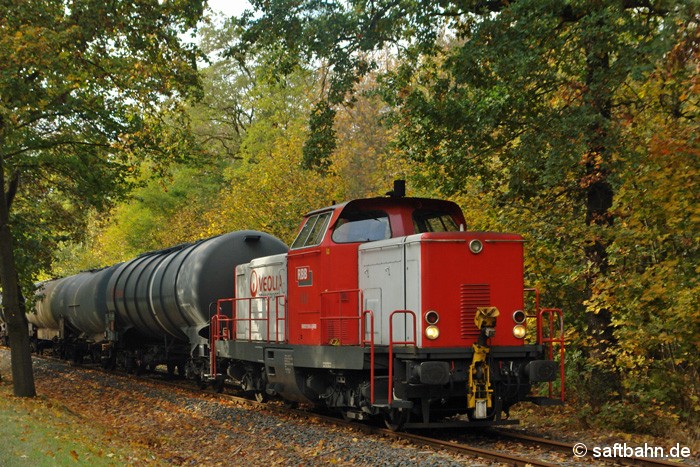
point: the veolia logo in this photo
(254, 283)
(265, 285)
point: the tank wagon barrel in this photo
(159, 297)
(171, 293)
(77, 301)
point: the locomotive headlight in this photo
(519, 316)
(519, 331)
(432, 332)
(432, 317)
(475, 246)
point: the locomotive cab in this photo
(323, 259)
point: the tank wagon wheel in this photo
(260, 396)
(396, 419)
(291, 404)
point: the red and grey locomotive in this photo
(382, 306)
(388, 306)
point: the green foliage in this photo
(363, 159)
(269, 189)
(321, 141)
(162, 213)
(86, 91)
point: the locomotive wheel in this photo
(396, 419)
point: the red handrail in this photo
(392, 343)
(223, 327)
(371, 348)
(551, 339)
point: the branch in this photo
(54, 144)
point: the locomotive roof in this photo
(385, 201)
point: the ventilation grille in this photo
(472, 296)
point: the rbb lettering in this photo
(302, 274)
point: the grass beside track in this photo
(41, 432)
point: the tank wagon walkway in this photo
(165, 425)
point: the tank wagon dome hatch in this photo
(173, 292)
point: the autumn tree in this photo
(251, 125)
(88, 89)
(269, 187)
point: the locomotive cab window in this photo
(362, 226)
(433, 221)
(312, 232)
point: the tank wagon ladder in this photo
(546, 319)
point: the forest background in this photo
(573, 123)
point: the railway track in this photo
(544, 445)
(463, 448)
(510, 450)
(575, 449)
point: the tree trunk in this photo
(599, 200)
(12, 301)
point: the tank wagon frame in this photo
(152, 310)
